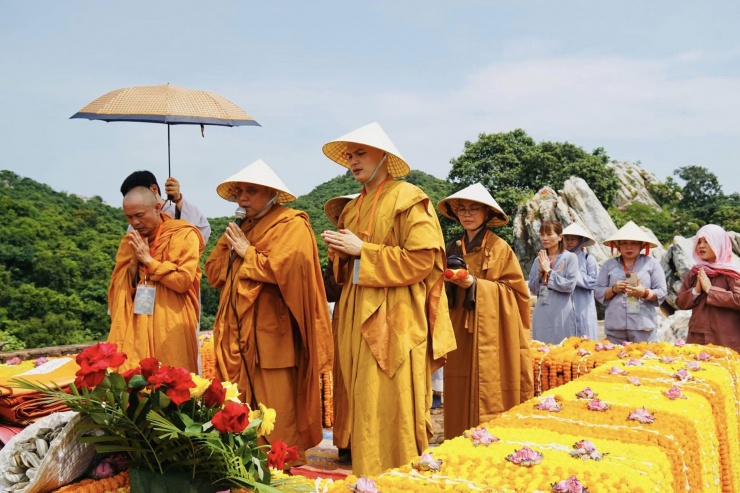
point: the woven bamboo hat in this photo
(477, 193)
(257, 173)
(374, 136)
(334, 207)
(575, 229)
(629, 232)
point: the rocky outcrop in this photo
(634, 184)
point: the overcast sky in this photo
(655, 81)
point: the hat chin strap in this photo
(267, 205)
(385, 155)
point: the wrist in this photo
(647, 294)
(179, 199)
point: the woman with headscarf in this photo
(394, 327)
(553, 278)
(576, 240)
(491, 370)
(631, 287)
(711, 290)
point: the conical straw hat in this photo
(334, 207)
(629, 232)
(371, 135)
(257, 173)
(477, 193)
(576, 229)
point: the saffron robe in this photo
(282, 333)
(169, 334)
(394, 328)
(491, 370)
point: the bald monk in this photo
(153, 293)
(272, 333)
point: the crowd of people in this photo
(400, 310)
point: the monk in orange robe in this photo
(491, 371)
(394, 328)
(272, 333)
(164, 254)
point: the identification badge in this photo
(544, 296)
(633, 305)
(356, 271)
(144, 300)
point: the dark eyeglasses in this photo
(467, 211)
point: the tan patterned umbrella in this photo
(168, 104)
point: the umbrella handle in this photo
(169, 163)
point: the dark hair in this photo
(139, 179)
(554, 227)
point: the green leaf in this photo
(137, 381)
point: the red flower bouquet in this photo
(169, 420)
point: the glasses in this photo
(468, 211)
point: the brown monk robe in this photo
(491, 371)
(283, 332)
(168, 259)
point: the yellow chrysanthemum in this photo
(201, 384)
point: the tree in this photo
(512, 166)
(702, 193)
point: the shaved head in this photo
(140, 195)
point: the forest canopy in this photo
(57, 250)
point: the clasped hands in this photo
(140, 246)
(638, 291)
(236, 238)
(343, 243)
(544, 261)
(702, 281)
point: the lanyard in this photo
(370, 224)
(152, 248)
(624, 266)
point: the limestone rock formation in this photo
(634, 182)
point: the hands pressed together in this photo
(702, 281)
(237, 239)
(343, 242)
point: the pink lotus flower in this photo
(623, 354)
(586, 393)
(427, 463)
(633, 362)
(642, 415)
(525, 456)
(364, 485)
(40, 361)
(548, 404)
(597, 405)
(649, 355)
(667, 359)
(693, 366)
(583, 352)
(585, 449)
(570, 485)
(634, 381)
(615, 370)
(682, 375)
(674, 393)
(679, 343)
(480, 436)
(544, 349)
(13, 361)
(703, 356)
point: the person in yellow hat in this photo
(272, 333)
(394, 327)
(631, 287)
(491, 370)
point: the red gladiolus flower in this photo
(234, 418)
(280, 453)
(94, 361)
(149, 367)
(177, 382)
(215, 394)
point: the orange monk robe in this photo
(394, 327)
(491, 371)
(170, 333)
(283, 331)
